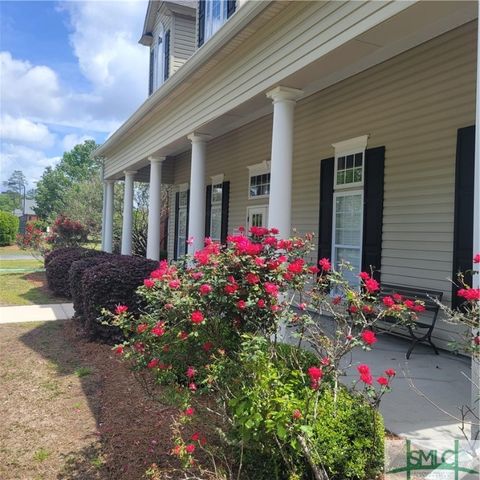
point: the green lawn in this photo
(27, 288)
(27, 264)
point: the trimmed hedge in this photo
(8, 228)
(109, 284)
(57, 266)
(75, 273)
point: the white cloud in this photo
(21, 130)
(31, 161)
(72, 139)
(104, 38)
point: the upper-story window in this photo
(159, 60)
(259, 180)
(212, 14)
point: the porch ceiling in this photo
(414, 25)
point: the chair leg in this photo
(433, 346)
(410, 350)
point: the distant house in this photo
(353, 120)
(26, 214)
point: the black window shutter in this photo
(150, 76)
(201, 22)
(463, 216)
(373, 210)
(225, 205)
(208, 209)
(326, 208)
(166, 60)
(175, 243)
(231, 4)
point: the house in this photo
(351, 119)
(26, 214)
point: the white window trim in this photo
(208, 19)
(345, 193)
(345, 148)
(253, 207)
(159, 60)
(261, 168)
(216, 179)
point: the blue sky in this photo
(69, 71)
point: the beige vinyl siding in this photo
(183, 41)
(300, 33)
(413, 105)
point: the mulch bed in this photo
(98, 426)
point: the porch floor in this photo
(441, 378)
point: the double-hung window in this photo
(216, 208)
(259, 180)
(347, 231)
(182, 222)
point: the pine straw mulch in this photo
(70, 409)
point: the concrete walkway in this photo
(36, 313)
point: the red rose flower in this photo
(207, 346)
(274, 231)
(296, 266)
(183, 335)
(397, 297)
(205, 289)
(241, 305)
(366, 378)
(470, 294)
(197, 275)
(259, 261)
(390, 372)
(271, 289)
(261, 303)
(363, 369)
(158, 330)
(195, 437)
(120, 309)
(382, 381)
(191, 372)
(189, 411)
(476, 340)
(388, 302)
(325, 264)
(149, 283)
(142, 327)
(369, 337)
(252, 279)
(192, 387)
(119, 350)
(190, 448)
(197, 317)
(296, 414)
(476, 258)
(313, 269)
(231, 288)
(315, 373)
(153, 363)
(364, 276)
(372, 285)
(174, 284)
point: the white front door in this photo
(257, 216)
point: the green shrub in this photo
(273, 410)
(8, 228)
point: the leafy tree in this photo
(76, 166)
(8, 202)
(16, 184)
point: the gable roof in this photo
(182, 7)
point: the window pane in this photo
(216, 223)
(351, 255)
(348, 220)
(260, 185)
(357, 174)
(341, 163)
(217, 193)
(349, 163)
(358, 159)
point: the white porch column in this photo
(128, 212)
(154, 208)
(196, 219)
(104, 209)
(108, 238)
(475, 403)
(280, 203)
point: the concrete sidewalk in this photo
(36, 313)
